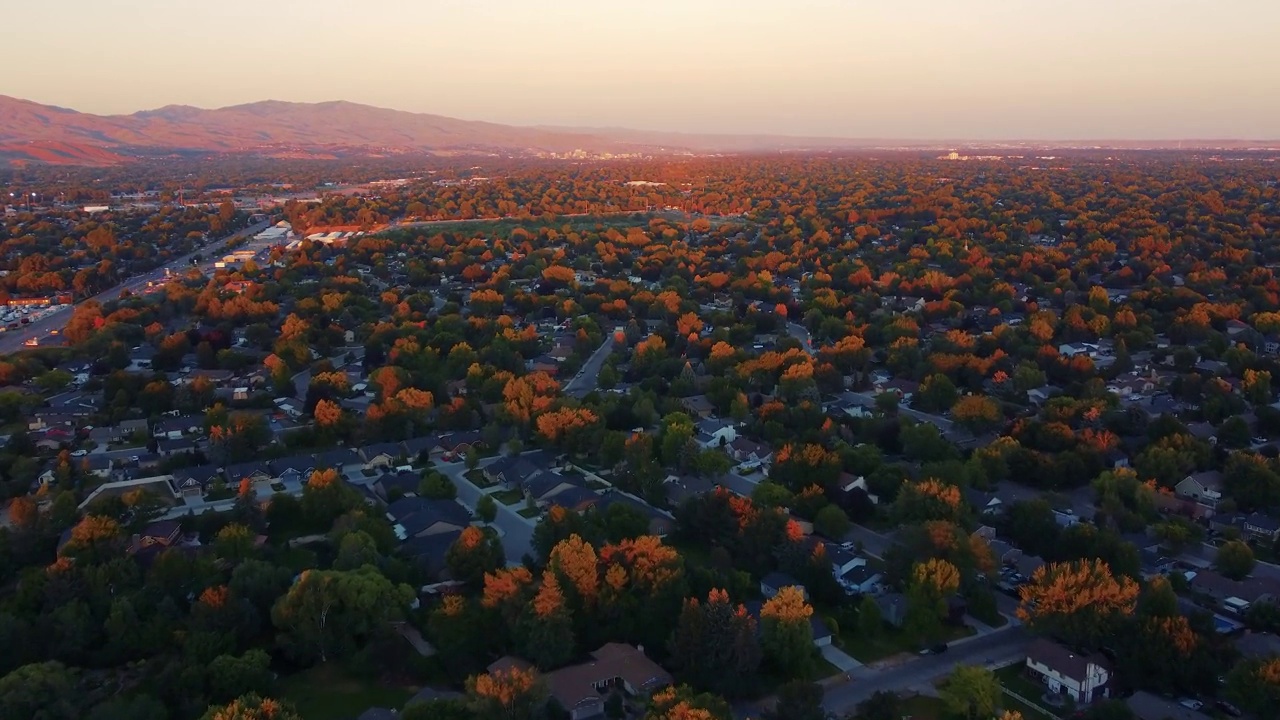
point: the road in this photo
(585, 381)
(13, 340)
(798, 331)
(997, 648)
(868, 400)
(516, 531)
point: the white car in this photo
(1191, 704)
(79, 453)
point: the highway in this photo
(43, 329)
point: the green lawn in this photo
(1015, 679)
(530, 512)
(329, 693)
(508, 497)
(477, 478)
(923, 707)
(889, 642)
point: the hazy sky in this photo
(1052, 69)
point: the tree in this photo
(505, 694)
(473, 554)
(436, 486)
(977, 412)
(40, 691)
(355, 550)
(327, 414)
(487, 508)
(832, 522)
(253, 707)
(95, 539)
(137, 707)
(714, 646)
(331, 613)
(231, 676)
(798, 700)
(1080, 602)
(870, 620)
(437, 709)
(972, 692)
(1255, 685)
(325, 497)
(234, 543)
(545, 630)
(682, 703)
(880, 706)
(786, 635)
(1234, 559)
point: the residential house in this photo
(175, 428)
(298, 466)
(1027, 565)
(392, 486)
(699, 407)
(541, 486)
(420, 448)
(772, 583)
(1235, 595)
(459, 443)
(344, 460)
(573, 497)
(714, 432)
(194, 481)
(1260, 526)
(513, 471)
(98, 465)
(254, 471)
(862, 579)
(661, 522)
(1148, 706)
(749, 452)
(1205, 488)
(161, 534)
(904, 389)
(581, 689)
(125, 429)
(169, 448)
(421, 517)
(381, 455)
(1084, 678)
(1258, 645)
(681, 488)
(1003, 553)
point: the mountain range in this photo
(31, 132)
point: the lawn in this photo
(889, 642)
(1014, 678)
(923, 707)
(329, 693)
(530, 513)
(508, 497)
(477, 478)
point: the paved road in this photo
(873, 543)
(798, 331)
(13, 340)
(585, 381)
(868, 400)
(998, 648)
(517, 531)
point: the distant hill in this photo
(43, 133)
(31, 132)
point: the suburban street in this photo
(13, 340)
(585, 381)
(798, 331)
(998, 648)
(516, 530)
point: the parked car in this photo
(1190, 703)
(1229, 709)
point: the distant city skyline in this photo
(909, 69)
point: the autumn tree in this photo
(1255, 685)
(253, 707)
(786, 635)
(544, 633)
(1080, 602)
(96, 538)
(682, 703)
(932, 582)
(976, 412)
(927, 500)
(510, 693)
(475, 553)
(714, 646)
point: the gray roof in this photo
(1063, 660)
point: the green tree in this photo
(971, 692)
(137, 707)
(714, 647)
(437, 487)
(234, 543)
(437, 709)
(798, 700)
(1234, 559)
(356, 550)
(473, 554)
(832, 522)
(40, 691)
(230, 676)
(771, 494)
(880, 706)
(870, 620)
(487, 508)
(332, 613)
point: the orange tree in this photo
(1080, 602)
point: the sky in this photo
(910, 69)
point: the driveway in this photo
(842, 660)
(516, 530)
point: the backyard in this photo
(477, 478)
(508, 497)
(328, 692)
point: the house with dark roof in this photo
(1084, 678)
(303, 465)
(394, 485)
(254, 471)
(660, 523)
(344, 460)
(420, 517)
(1204, 488)
(1235, 594)
(714, 432)
(685, 487)
(581, 689)
(421, 447)
(698, 406)
(381, 455)
(772, 584)
(195, 480)
(573, 497)
(161, 534)
(513, 471)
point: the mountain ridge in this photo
(33, 132)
